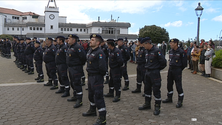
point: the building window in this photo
(80, 30)
(40, 28)
(108, 30)
(37, 28)
(67, 29)
(70, 29)
(13, 28)
(30, 28)
(61, 29)
(84, 30)
(24, 18)
(17, 29)
(33, 28)
(77, 29)
(51, 27)
(22, 29)
(64, 29)
(14, 17)
(7, 28)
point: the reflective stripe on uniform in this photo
(148, 95)
(92, 104)
(181, 94)
(102, 109)
(171, 92)
(80, 93)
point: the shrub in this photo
(217, 61)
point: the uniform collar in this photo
(60, 46)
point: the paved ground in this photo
(31, 103)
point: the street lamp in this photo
(199, 11)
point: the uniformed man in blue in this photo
(140, 60)
(17, 49)
(96, 68)
(8, 48)
(49, 59)
(155, 62)
(29, 51)
(38, 57)
(75, 59)
(126, 57)
(3, 47)
(178, 61)
(22, 55)
(105, 49)
(115, 63)
(61, 65)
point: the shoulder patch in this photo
(79, 50)
(159, 53)
(100, 56)
(117, 54)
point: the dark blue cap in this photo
(49, 38)
(73, 36)
(16, 37)
(61, 37)
(140, 39)
(34, 37)
(121, 39)
(96, 36)
(37, 42)
(66, 38)
(21, 39)
(110, 40)
(174, 40)
(146, 39)
(4, 39)
(27, 38)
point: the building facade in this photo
(29, 24)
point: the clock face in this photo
(51, 16)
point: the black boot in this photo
(61, 90)
(78, 103)
(90, 112)
(83, 81)
(138, 89)
(24, 68)
(41, 78)
(110, 94)
(169, 98)
(146, 105)
(66, 93)
(101, 120)
(31, 72)
(37, 78)
(126, 87)
(157, 109)
(179, 104)
(55, 86)
(49, 83)
(72, 99)
(27, 70)
(117, 97)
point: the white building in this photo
(29, 24)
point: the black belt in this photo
(93, 74)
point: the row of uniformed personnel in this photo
(5, 47)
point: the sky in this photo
(178, 17)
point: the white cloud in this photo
(180, 5)
(75, 10)
(189, 23)
(174, 24)
(204, 19)
(218, 18)
(211, 10)
(158, 9)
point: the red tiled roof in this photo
(15, 12)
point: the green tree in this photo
(156, 33)
(6, 36)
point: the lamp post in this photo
(220, 42)
(199, 11)
(116, 28)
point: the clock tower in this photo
(51, 17)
